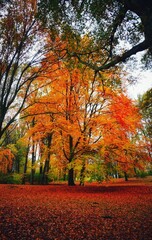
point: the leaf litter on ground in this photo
(108, 211)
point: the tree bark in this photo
(71, 170)
(33, 163)
(47, 162)
(64, 174)
(82, 174)
(71, 177)
(25, 165)
(126, 176)
(33, 156)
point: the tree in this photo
(6, 159)
(86, 112)
(80, 113)
(16, 146)
(11, 143)
(39, 107)
(121, 144)
(145, 105)
(19, 56)
(69, 106)
(108, 22)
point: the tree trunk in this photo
(47, 162)
(71, 177)
(64, 174)
(25, 165)
(82, 174)
(33, 163)
(17, 166)
(71, 170)
(41, 172)
(126, 176)
(33, 156)
(45, 172)
(41, 168)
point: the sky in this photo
(144, 83)
(137, 72)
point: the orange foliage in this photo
(125, 112)
(84, 112)
(6, 158)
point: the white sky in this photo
(136, 71)
(144, 83)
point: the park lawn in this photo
(116, 210)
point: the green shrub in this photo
(13, 178)
(17, 178)
(100, 179)
(141, 174)
(150, 172)
(3, 178)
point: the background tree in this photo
(145, 105)
(19, 56)
(123, 122)
(17, 147)
(6, 159)
(11, 142)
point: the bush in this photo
(141, 174)
(150, 172)
(14, 178)
(100, 179)
(17, 178)
(37, 178)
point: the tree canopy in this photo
(108, 21)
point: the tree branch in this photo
(117, 59)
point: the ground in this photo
(116, 210)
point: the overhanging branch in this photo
(117, 59)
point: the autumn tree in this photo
(74, 107)
(6, 157)
(121, 146)
(79, 105)
(20, 53)
(79, 118)
(39, 112)
(80, 113)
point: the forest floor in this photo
(108, 211)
